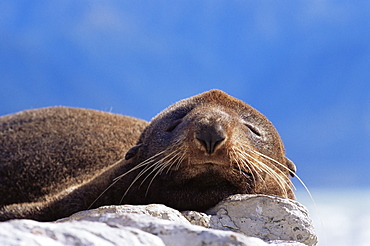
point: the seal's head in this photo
(207, 147)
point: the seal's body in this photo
(191, 156)
(47, 153)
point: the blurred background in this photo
(303, 64)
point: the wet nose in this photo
(210, 136)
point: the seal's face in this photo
(207, 147)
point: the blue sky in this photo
(304, 64)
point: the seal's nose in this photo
(210, 136)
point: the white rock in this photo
(155, 210)
(29, 233)
(197, 218)
(266, 217)
(243, 220)
(174, 233)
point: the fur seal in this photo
(192, 155)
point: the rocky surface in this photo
(239, 220)
(265, 217)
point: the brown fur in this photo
(192, 155)
(46, 153)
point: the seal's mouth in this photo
(212, 164)
(207, 165)
(220, 167)
(209, 162)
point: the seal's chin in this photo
(200, 187)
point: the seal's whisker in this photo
(167, 164)
(283, 166)
(106, 189)
(272, 173)
(157, 169)
(295, 175)
(254, 169)
(161, 163)
(267, 157)
(146, 169)
(181, 160)
(180, 154)
(156, 166)
(236, 154)
(232, 157)
(176, 160)
(245, 163)
(239, 167)
(276, 162)
(177, 156)
(173, 160)
(282, 183)
(250, 163)
(142, 172)
(145, 163)
(139, 165)
(273, 160)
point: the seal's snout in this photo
(210, 136)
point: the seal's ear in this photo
(291, 166)
(132, 152)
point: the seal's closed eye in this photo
(253, 129)
(173, 125)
